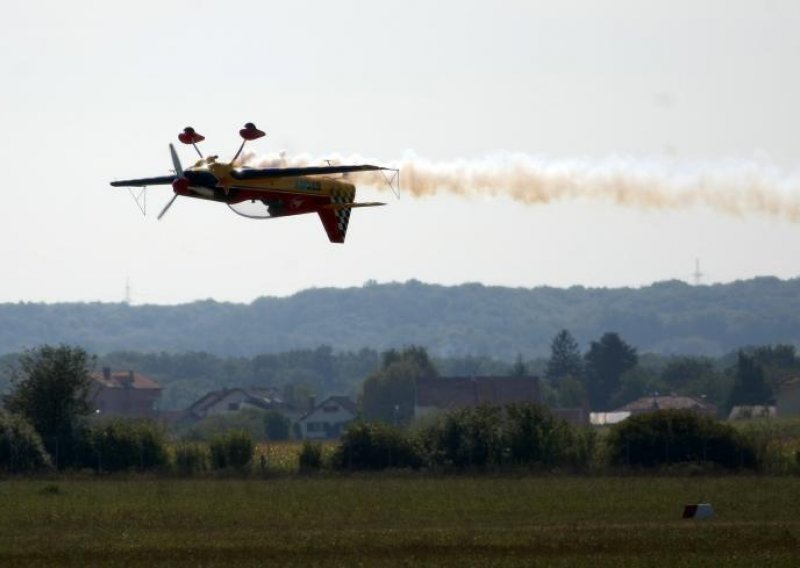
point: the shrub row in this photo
(121, 445)
(679, 436)
(21, 448)
(485, 437)
(470, 438)
(530, 436)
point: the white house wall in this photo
(322, 417)
(222, 406)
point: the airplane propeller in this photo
(180, 185)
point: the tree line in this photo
(609, 372)
(451, 321)
(46, 423)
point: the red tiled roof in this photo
(343, 401)
(264, 397)
(125, 379)
(665, 402)
(789, 382)
(458, 392)
(575, 415)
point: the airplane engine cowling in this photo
(181, 186)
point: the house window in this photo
(332, 408)
(233, 406)
(315, 427)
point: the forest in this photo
(667, 318)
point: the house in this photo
(787, 397)
(750, 411)
(608, 418)
(575, 415)
(230, 400)
(126, 394)
(435, 394)
(328, 419)
(654, 402)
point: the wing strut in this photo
(140, 197)
(393, 180)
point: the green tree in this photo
(749, 385)
(654, 439)
(50, 388)
(633, 384)
(232, 449)
(606, 361)
(21, 447)
(297, 395)
(375, 446)
(565, 357)
(413, 354)
(534, 436)
(519, 369)
(120, 444)
(779, 362)
(388, 395)
(276, 426)
(247, 420)
(687, 375)
(571, 392)
(781, 356)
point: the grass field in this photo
(376, 520)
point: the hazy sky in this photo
(94, 92)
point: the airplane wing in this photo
(253, 173)
(144, 182)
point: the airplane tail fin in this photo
(335, 216)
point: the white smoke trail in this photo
(731, 187)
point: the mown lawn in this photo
(376, 520)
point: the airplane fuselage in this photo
(273, 192)
(216, 181)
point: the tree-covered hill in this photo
(667, 317)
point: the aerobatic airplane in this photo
(264, 193)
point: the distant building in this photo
(124, 393)
(787, 397)
(655, 402)
(231, 400)
(435, 394)
(608, 418)
(328, 419)
(750, 411)
(575, 415)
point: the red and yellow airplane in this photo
(267, 192)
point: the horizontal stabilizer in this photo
(352, 205)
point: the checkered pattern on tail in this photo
(342, 215)
(336, 218)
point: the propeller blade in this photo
(175, 161)
(171, 201)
